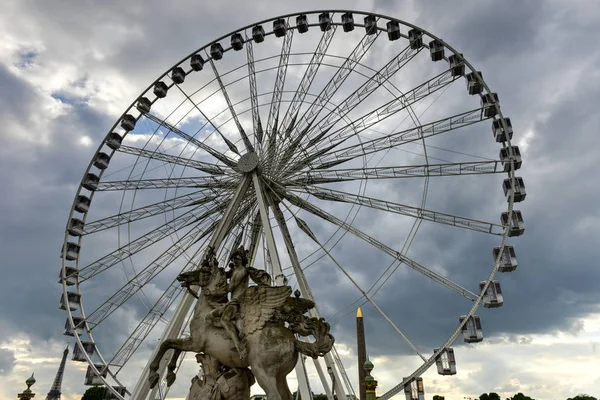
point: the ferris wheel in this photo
(299, 137)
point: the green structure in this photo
(27, 393)
(370, 383)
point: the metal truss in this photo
(167, 183)
(186, 162)
(308, 118)
(408, 171)
(402, 209)
(216, 154)
(148, 239)
(396, 139)
(256, 123)
(299, 202)
(249, 146)
(187, 200)
(149, 272)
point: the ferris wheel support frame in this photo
(142, 388)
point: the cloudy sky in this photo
(69, 69)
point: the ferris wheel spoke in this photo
(311, 208)
(147, 274)
(305, 228)
(254, 237)
(256, 123)
(400, 138)
(146, 325)
(188, 200)
(402, 209)
(398, 172)
(249, 146)
(372, 118)
(148, 239)
(273, 119)
(170, 159)
(330, 89)
(168, 183)
(228, 142)
(365, 90)
(291, 115)
(216, 154)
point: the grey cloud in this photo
(554, 286)
(7, 361)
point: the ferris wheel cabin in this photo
(508, 262)
(517, 226)
(91, 379)
(436, 50)
(445, 362)
(197, 62)
(71, 274)
(414, 390)
(457, 66)
(79, 326)
(279, 27)
(472, 332)
(508, 155)
(143, 105)
(498, 130)
(72, 251)
(160, 89)
(393, 30)
(216, 51)
(302, 23)
(348, 22)
(237, 41)
(518, 189)
(73, 301)
(415, 38)
(370, 25)
(493, 295)
(178, 75)
(474, 85)
(88, 347)
(324, 21)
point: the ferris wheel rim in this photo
(467, 64)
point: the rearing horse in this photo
(272, 349)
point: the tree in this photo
(582, 397)
(489, 396)
(94, 393)
(520, 396)
(438, 397)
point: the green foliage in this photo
(438, 397)
(520, 396)
(489, 396)
(582, 397)
(94, 393)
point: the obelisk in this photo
(362, 352)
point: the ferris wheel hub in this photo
(248, 162)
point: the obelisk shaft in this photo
(362, 352)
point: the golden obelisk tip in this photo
(358, 313)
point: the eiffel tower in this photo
(54, 393)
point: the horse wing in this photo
(259, 303)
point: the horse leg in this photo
(177, 344)
(268, 383)
(171, 368)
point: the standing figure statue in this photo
(239, 275)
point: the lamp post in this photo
(27, 393)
